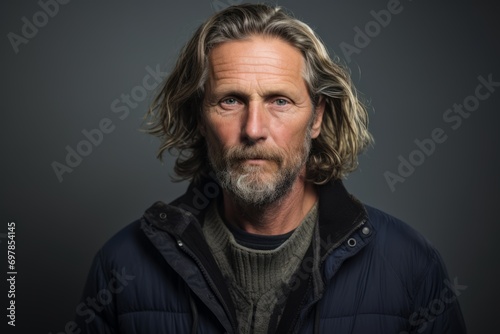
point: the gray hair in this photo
(175, 114)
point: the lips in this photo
(253, 160)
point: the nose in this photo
(255, 127)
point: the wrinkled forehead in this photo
(262, 57)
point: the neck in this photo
(282, 216)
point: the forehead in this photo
(264, 59)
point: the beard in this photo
(263, 184)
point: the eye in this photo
(281, 102)
(229, 101)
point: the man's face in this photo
(258, 118)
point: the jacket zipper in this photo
(186, 250)
(337, 244)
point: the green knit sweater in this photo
(257, 279)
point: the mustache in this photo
(239, 153)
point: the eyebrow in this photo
(243, 96)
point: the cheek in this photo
(222, 133)
(290, 138)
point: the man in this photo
(266, 239)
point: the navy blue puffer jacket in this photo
(365, 272)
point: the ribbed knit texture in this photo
(257, 278)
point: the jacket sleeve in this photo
(95, 313)
(436, 309)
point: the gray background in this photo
(66, 77)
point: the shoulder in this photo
(421, 272)
(404, 250)
(130, 254)
(394, 234)
(133, 243)
(126, 248)
(122, 240)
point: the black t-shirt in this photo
(258, 241)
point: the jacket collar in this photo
(340, 213)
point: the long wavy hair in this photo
(175, 113)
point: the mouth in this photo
(255, 160)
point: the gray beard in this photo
(247, 186)
(249, 190)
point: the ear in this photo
(318, 118)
